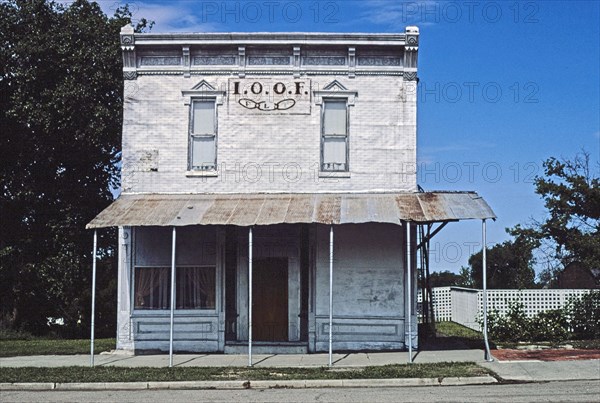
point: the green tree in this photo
(571, 230)
(509, 265)
(466, 279)
(445, 278)
(61, 100)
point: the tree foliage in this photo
(447, 278)
(509, 265)
(61, 113)
(571, 231)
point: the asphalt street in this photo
(555, 391)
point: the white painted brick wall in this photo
(382, 140)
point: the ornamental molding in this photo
(380, 61)
(203, 86)
(160, 61)
(410, 76)
(217, 72)
(324, 60)
(335, 85)
(214, 60)
(335, 89)
(129, 75)
(268, 60)
(203, 90)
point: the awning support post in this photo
(331, 296)
(409, 291)
(172, 298)
(250, 297)
(94, 258)
(488, 355)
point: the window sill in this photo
(202, 174)
(138, 313)
(334, 174)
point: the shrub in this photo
(511, 327)
(580, 320)
(549, 325)
(585, 316)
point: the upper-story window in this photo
(334, 135)
(203, 135)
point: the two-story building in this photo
(269, 192)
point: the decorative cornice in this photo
(160, 61)
(186, 61)
(296, 61)
(269, 61)
(223, 60)
(352, 62)
(324, 61)
(271, 38)
(410, 76)
(380, 61)
(129, 75)
(242, 61)
(321, 54)
(195, 72)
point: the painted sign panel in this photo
(269, 96)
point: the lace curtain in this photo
(152, 289)
(196, 288)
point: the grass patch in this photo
(453, 335)
(41, 346)
(147, 374)
(453, 329)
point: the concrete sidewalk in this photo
(241, 360)
(531, 370)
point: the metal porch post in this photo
(488, 354)
(409, 291)
(172, 298)
(330, 295)
(93, 297)
(250, 297)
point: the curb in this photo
(222, 385)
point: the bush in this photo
(553, 325)
(585, 316)
(549, 326)
(515, 326)
(512, 327)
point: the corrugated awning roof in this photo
(268, 209)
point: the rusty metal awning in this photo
(268, 209)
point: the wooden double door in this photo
(270, 299)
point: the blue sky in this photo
(503, 86)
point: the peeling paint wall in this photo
(368, 287)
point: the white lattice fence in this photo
(534, 301)
(442, 303)
(465, 305)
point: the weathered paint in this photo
(269, 209)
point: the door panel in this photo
(270, 299)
